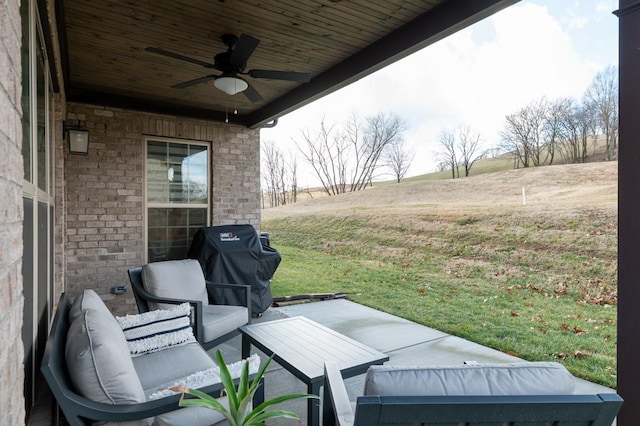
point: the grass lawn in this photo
(538, 283)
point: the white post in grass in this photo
(524, 197)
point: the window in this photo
(38, 195)
(177, 178)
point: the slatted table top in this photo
(302, 346)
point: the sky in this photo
(474, 78)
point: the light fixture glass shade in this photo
(230, 85)
(78, 141)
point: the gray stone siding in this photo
(104, 191)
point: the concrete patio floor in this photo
(405, 342)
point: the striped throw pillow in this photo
(156, 330)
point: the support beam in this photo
(629, 213)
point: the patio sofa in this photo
(96, 378)
(487, 394)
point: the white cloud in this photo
(473, 78)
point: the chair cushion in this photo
(157, 369)
(99, 363)
(218, 320)
(193, 416)
(178, 279)
(88, 299)
(156, 330)
(526, 378)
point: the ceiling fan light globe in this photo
(230, 85)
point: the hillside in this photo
(536, 280)
(549, 187)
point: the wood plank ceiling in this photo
(335, 41)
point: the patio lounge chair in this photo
(160, 285)
(497, 394)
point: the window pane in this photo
(197, 177)
(41, 109)
(170, 231)
(26, 86)
(177, 173)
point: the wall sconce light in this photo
(78, 141)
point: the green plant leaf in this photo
(260, 418)
(227, 382)
(240, 399)
(283, 398)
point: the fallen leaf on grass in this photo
(578, 354)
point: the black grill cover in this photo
(234, 254)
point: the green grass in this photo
(541, 287)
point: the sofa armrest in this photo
(77, 408)
(245, 289)
(337, 408)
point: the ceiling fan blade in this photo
(252, 94)
(178, 57)
(301, 77)
(244, 47)
(194, 82)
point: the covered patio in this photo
(405, 342)
(137, 76)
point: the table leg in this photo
(313, 405)
(328, 416)
(246, 347)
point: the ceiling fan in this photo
(232, 63)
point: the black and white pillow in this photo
(156, 330)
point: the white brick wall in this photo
(11, 302)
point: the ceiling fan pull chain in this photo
(226, 114)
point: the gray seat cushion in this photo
(192, 416)
(177, 279)
(163, 368)
(218, 320)
(526, 378)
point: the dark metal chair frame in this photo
(143, 297)
(75, 407)
(557, 410)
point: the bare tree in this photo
(555, 124)
(468, 146)
(325, 151)
(524, 132)
(398, 159)
(448, 155)
(279, 177)
(348, 159)
(293, 176)
(271, 169)
(603, 95)
(380, 131)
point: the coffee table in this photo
(301, 346)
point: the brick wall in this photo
(11, 301)
(104, 191)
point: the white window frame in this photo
(148, 204)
